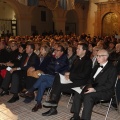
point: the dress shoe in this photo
(50, 104)
(28, 99)
(73, 118)
(52, 111)
(4, 93)
(13, 99)
(36, 107)
(29, 94)
(22, 95)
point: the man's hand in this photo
(12, 70)
(90, 90)
(67, 75)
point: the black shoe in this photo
(13, 99)
(36, 107)
(50, 104)
(22, 95)
(73, 118)
(52, 111)
(4, 93)
(28, 99)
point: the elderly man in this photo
(102, 83)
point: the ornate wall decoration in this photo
(110, 24)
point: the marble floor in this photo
(21, 111)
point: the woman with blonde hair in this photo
(33, 75)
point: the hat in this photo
(23, 46)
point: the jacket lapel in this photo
(102, 71)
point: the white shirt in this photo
(93, 61)
(99, 70)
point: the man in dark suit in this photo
(79, 74)
(30, 59)
(102, 83)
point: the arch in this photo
(110, 24)
(15, 5)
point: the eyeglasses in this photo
(12, 46)
(99, 56)
(57, 50)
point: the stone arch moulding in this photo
(103, 15)
(15, 5)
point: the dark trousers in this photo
(118, 91)
(30, 81)
(6, 81)
(1, 79)
(17, 80)
(57, 88)
(88, 101)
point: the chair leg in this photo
(69, 100)
(48, 94)
(116, 102)
(108, 109)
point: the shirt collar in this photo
(104, 64)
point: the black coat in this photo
(4, 56)
(105, 80)
(80, 71)
(32, 62)
(59, 65)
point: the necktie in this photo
(101, 66)
(26, 60)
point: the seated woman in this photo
(45, 58)
(71, 54)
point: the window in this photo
(43, 16)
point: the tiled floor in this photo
(21, 111)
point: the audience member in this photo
(59, 64)
(102, 84)
(79, 74)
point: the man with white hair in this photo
(101, 84)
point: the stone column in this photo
(24, 24)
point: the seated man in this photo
(30, 59)
(115, 59)
(79, 74)
(58, 64)
(102, 83)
